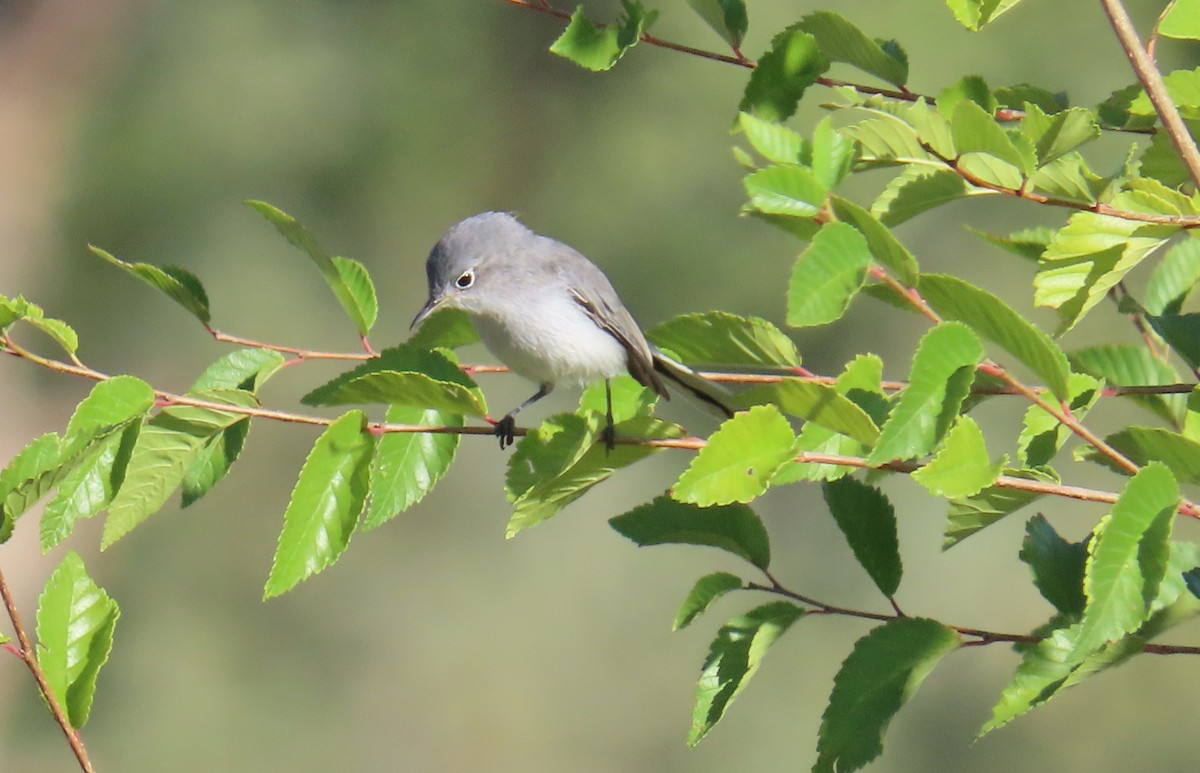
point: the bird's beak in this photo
(430, 306)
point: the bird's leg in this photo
(506, 427)
(610, 432)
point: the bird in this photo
(545, 311)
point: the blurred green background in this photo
(434, 644)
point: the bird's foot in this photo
(506, 431)
(609, 435)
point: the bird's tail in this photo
(708, 392)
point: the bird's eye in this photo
(465, 280)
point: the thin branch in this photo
(1156, 90)
(28, 654)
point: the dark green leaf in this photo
(325, 503)
(1130, 365)
(75, 623)
(733, 658)
(179, 285)
(404, 375)
(598, 48)
(407, 465)
(1180, 454)
(720, 338)
(1058, 566)
(783, 74)
(1016, 96)
(732, 528)
(841, 41)
(1182, 333)
(707, 589)
(970, 514)
(882, 672)
(726, 17)
(1028, 243)
(213, 461)
(867, 518)
(827, 275)
(969, 88)
(737, 462)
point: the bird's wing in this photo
(611, 317)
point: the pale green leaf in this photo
(975, 14)
(841, 41)
(1180, 454)
(1182, 20)
(774, 141)
(818, 403)
(975, 131)
(445, 329)
(827, 275)
(885, 247)
(962, 468)
(720, 338)
(785, 189)
(1042, 435)
(14, 309)
(89, 487)
(1174, 278)
(970, 514)
(240, 369)
(737, 462)
(833, 154)
(407, 465)
(598, 48)
(917, 190)
(1130, 365)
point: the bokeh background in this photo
(434, 644)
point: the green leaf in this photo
(737, 462)
(1053, 136)
(1028, 243)
(841, 41)
(774, 141)
(996, 321)
(1174, 278)
(883, 671)
(629, 398)
(733, 658)
(325, 504)
(598, 48)
(970, 514)
(818, 403)
(1043, 671)
(404, 375)
(39, 457)
(867, 518)
(1043, 435)
(783, 74)
(974, 130)
(1182, 333)
(962, 467)
(885, 247)
(110, 404)
(213, 461)
(942, 371)
(918, 190)
(886, 140)
(564, 459)
(833, 154)
(14, 309)
(975, 14)
(407, 465)
(1180, 454)
(89, 487)
(1058, 566)
(1130, 365)
(75, 623)
(1181, 20)
(1017, 95)
(1127, 558)
(720, 338)
(664, 521)
(164, 451)
(245, 369)
(785, 189)
(444, 329)
(827, 275)
(179, 285)
(1183, 86)
(726, 17)
(707, 589)
(346, 278)
(969, 88)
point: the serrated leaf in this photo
(1043, 670)
(1130, 365)
(970, 514)
(629, 398)
(540, 486)
(720, 338)
(213, 461)
(1182, 334)
(346, 278)
(868, 520)
(1181, 20)
(1056, 135)
(774, 141)
(75, 623)
(1127, 558)
(1174, 278)
(832, 152)
(841, 41)
(942, 371)
(726, 17)
(818, 403)
(325, 504)
(883, 671)
(975, 14)
(407, 465)
(1180, 454)
(1183, 86)
(975, 131)
(1042, 434)
(245, 369)
(707, 589)
(732, 528)
(1028, 243)
(886, 140)
(917, 190)
(733, 658)
(885, 247)
(89, 487)
(737, 462)
(39, 457)
(444, 329)
(969, 88)
(14, 309)
(1057, 565)
(783, 74)
(996, 321)
(785, 189)
(827, 275)
(598, 48)
(179, 285)
(404, 375)
(1017, 95)
(962, 468)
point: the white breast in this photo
(563, 345)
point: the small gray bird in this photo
(544, 310)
